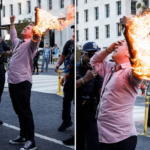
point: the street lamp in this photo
(1, 4)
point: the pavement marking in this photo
(39, 136)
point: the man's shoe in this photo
(18, 140)
(37, 73)
(41, 71)
(69, 141)
(1, 122)
(65, 125)
(29, 145)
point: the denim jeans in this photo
(43, 62)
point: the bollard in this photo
(59, 85)
(146, 116)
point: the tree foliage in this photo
(78, 53)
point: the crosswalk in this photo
(43, 83)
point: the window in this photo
(50, 4)
(85, 1)
(146, 3)
(77, 17)
(77, 33)
(86, 34)
(96, 13)
(73, 2)
(96, 32)
(107, 31)
(19, 8)
(39, 3)
(118, 29)
(61, 3)
(133, 8)
(76, 2)
(119, 8)
(107, 10)
(11, 10)
(29, 6)
(86, 15)
(3, 11)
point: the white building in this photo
(25, 9)
(98, 20)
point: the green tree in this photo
(78, 52)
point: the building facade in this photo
(25, 9)
(98, 20)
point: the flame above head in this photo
(46, 20)
(139, 37)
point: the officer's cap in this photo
(90, 46)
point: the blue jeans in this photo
(43, 62)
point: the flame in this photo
(139, 37)
(46, 20)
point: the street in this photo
(47, 109)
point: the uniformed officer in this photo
(4, 50)
(68, 79)
(87, 97)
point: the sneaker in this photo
(41, 71)
(29, 145)
(37, 73)
(64, 126)
(1, 122)
(18, 140)
(69, 141)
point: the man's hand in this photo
(90, 75)
(56, 67)
(64, 79)
(8, 53)
(124, 23)
(12, 19)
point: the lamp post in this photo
(1, 4)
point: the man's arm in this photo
(13, 33)
(90, 75)
(60, 61)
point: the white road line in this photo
(39, 136)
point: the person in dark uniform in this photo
(4, 50)
(68, 79)
(88, 86)
(35, 63)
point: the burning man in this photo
(20, 82)
(115, 115)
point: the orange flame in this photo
(139, 37)
(46, 20)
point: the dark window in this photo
(19, 8)
(77, 17)
(3, 11)
(107, 10)
(11, 10)
(146, 3)
(85, 1)
(61, 3)
(119, 8)
(133, 8)
(86, 34)
(50, 4)
(118, 29)
(77, 32)
(39, 3)
(29, 6)
(96, 13)
(86, 15)
(107, 31)
(96, 32)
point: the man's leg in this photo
(47, 61)
(23, 134)
(43, 62)
(2, 83)
(68, 97)
(91, 136)
(128, 144)
(80, 140)
(22, 94)
(104, 146)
